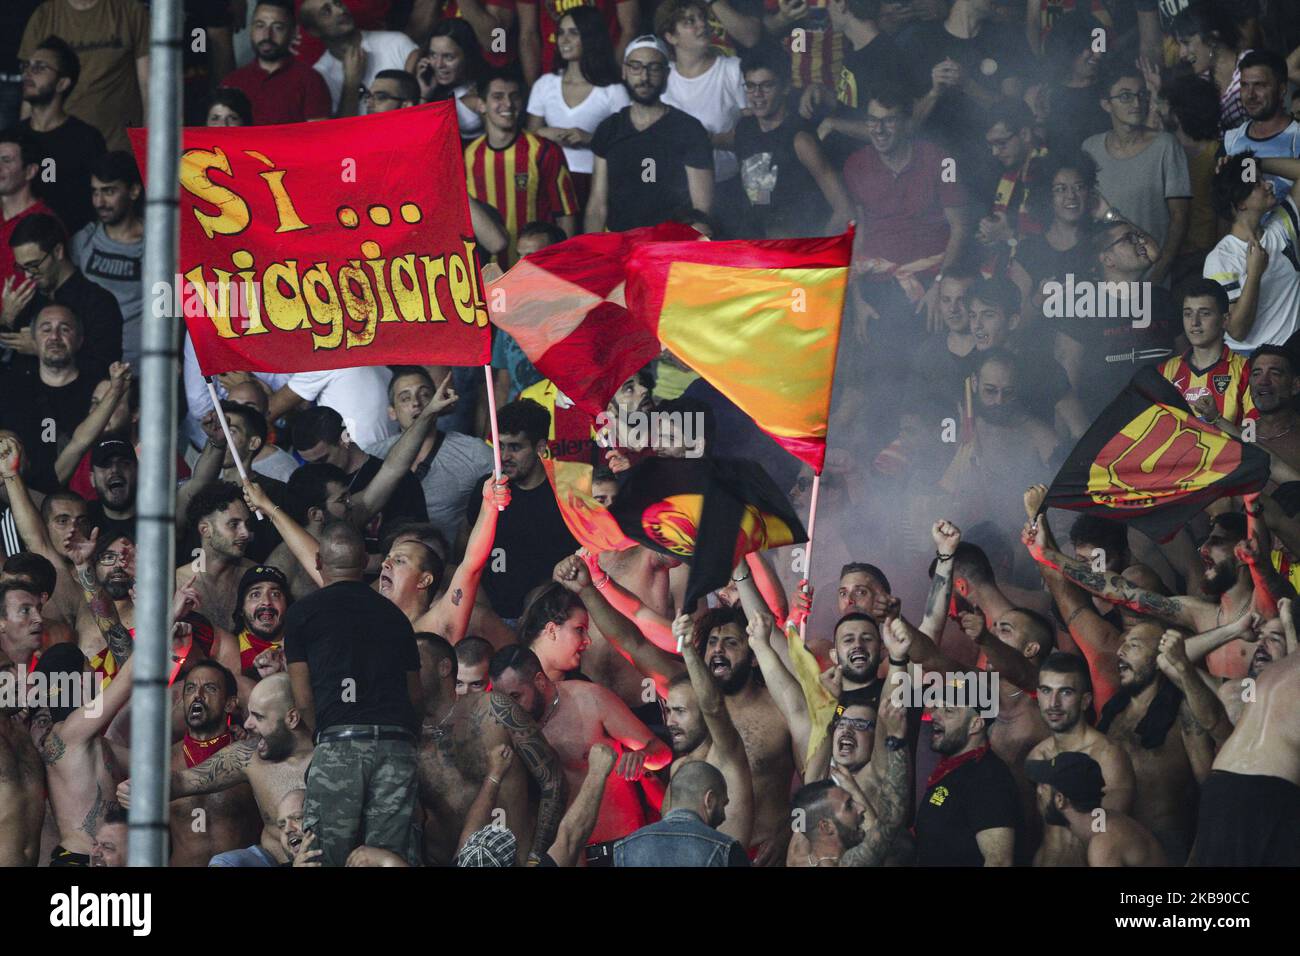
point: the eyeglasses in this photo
(766, 87)
(861, 724)
(652, 69)
(891, 122)
(110, 558)
(35, 67)
(1128, 96)
(379, 99)
(1134, 239)
(31, 268)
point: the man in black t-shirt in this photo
(71, 145)
(651, 159)
(970, 814)
(531, 534)
(113, 468)
(355, 670)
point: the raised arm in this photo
(946, 537)
(206, 470)
(1255, 550)
(727, 750)
(102, 608)
(785, 690)
(1010, 664)
(1200, 646)
(625, 637)
(27, 517)
(92, 719)
(456, 606)
(542, 763)
(885, 803)
(654, 626)
(1203, 711)
(301, 544)
(92, 426)
(401, 456)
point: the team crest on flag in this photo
(1149, 460)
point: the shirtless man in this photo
(1272, 645)
(1064, 697)
(82, 767)
(1250, 802)
(222, 519)
(1236, 579)
(700, 728)
(203, 826)
(473, 657)
(22, 784)
(457, 737)
(272, 761)
(21, 622)
(1070, 797)
(576, 714)
(411, 571)
(1169, 750)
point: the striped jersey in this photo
(1228, 380)
(816, 51)
(526, 181)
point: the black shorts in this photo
(62, 857)
(1247, 820)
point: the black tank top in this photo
(783, 198)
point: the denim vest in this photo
(680, 839)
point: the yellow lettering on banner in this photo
(433, 270)
(376, 266)
(234, 216)
(324, 307)
(218, 312)
(361, 305)
(287, 311)
(243, 260)
(480, 306)
(462, 289)
(406, 289)
(284, 211)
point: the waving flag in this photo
(759, 320)
(1149, 460)
(320, 245)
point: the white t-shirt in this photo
(199, 401)
(384, 49)
(1278, 312)
(470, 121)
(716, 98)
(1285, 143)
(547, 101)
(359, 395)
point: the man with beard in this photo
(59, 392)
(700, 728)
(222, 519)
(1271, 645)
(109, 251)
(82, 768)
(109, 845)
(279, 88)
(1070, 798)
(690, 833)
(970, 814)
(113, 469)
(71, 144)
(288, 817)
(457, 736)
(40, 248)
(1250, 803)
(1008, 441)
(843, 822)
(856, 659)
(317, 494)
(647, 134)
(574, 715)
(105, 572)
(1271, 130)
(532, 532)
(272, 761)
(1065, 697)
(203, 826)
(262, 601)
(1167, 761)
(22, 776)
(1233, 579)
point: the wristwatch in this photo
(895, 743)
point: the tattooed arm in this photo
(886, 805)
(1256, 550)
(946, 538)
(455, 607)
(1179, 611)
(542, 763)
(102, 609)
(1201, 712)
(224, 769)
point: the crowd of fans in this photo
(385, 656)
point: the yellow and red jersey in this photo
(526, 181)
(1228, 380)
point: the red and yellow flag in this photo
(320, 245)
(759, 320)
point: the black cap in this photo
(258, 574)
(1076, 775)
(106, 451)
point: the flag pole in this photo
(808, 554)
(492, 425)
(225, 430)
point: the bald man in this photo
(688, 835)
(355, 670)
(273, 761)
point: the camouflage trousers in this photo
(361, 792)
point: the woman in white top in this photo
(1208, 41)
(447, 67)
(566, 106)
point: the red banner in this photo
(327, 245)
